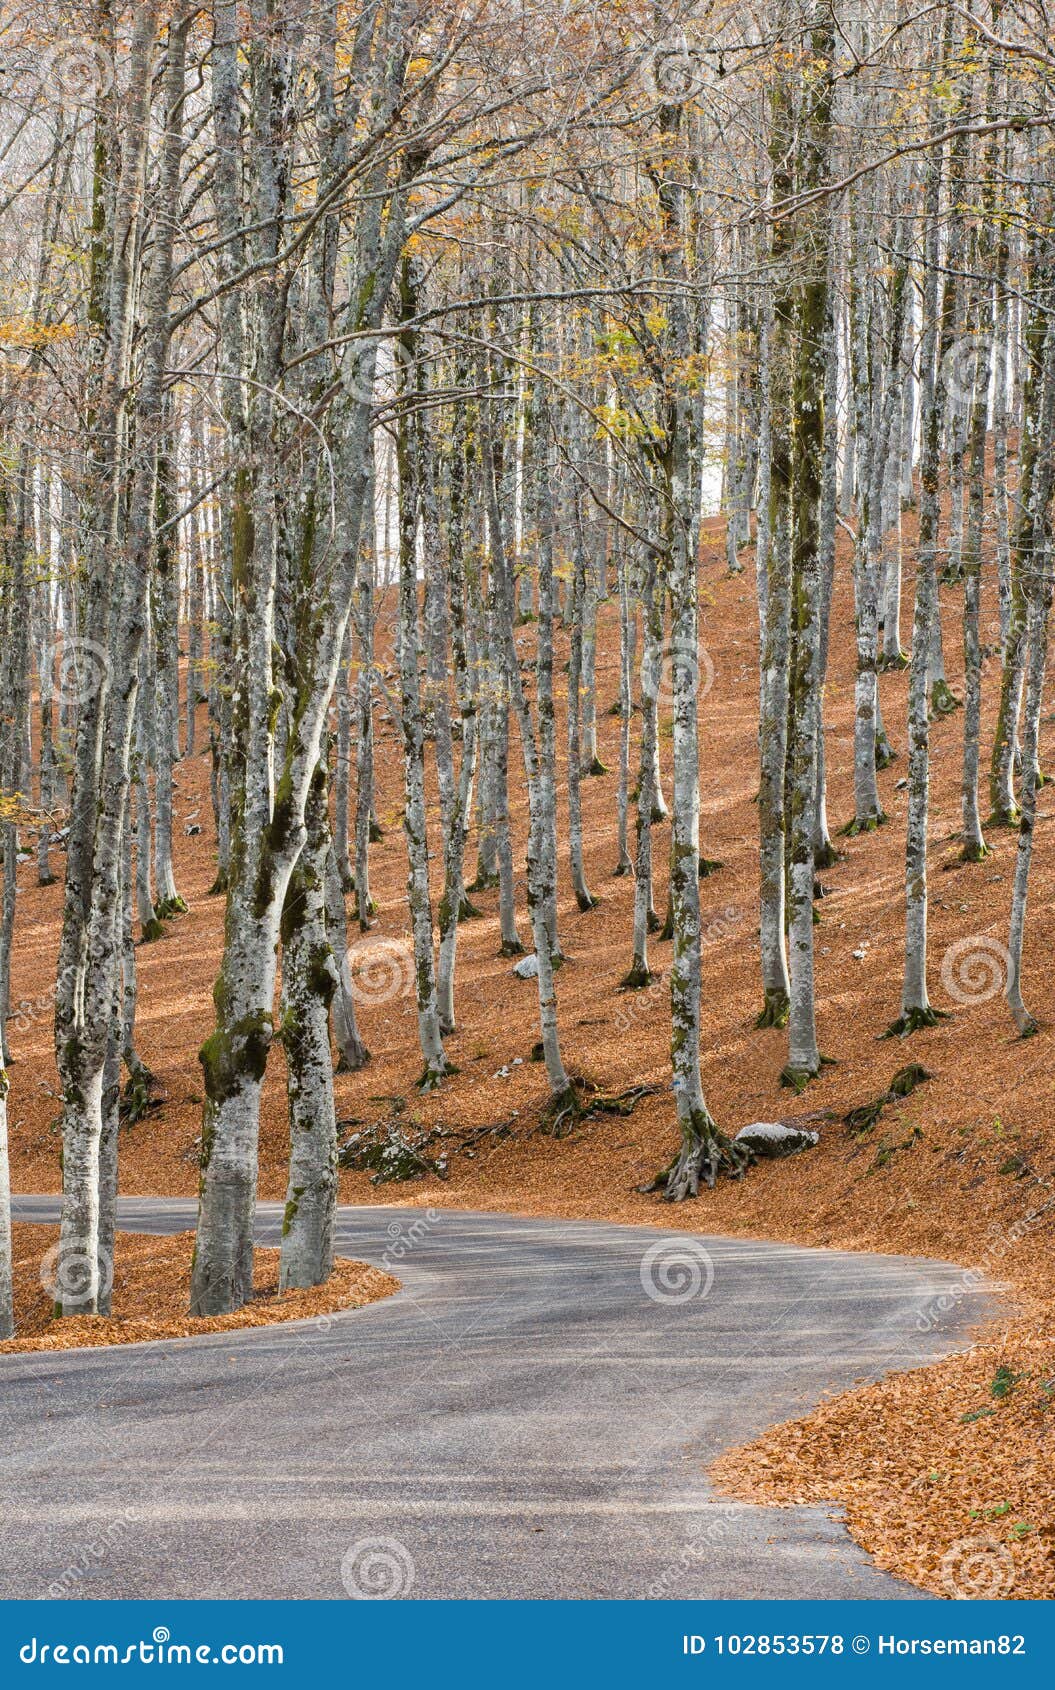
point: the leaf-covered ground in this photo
(962, 1169)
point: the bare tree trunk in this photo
(309, 980)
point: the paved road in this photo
(531, 1416)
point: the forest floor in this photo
(962, 1169)
(149, 1294)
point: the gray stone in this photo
(773, 1138)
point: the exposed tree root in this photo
(142, 1093)
(166, 908)
(1005, 816)
(483, 883)
(774, 1011)
(705, 1154)
(864, 1117)
(638, 978)
(862, 824)
(913, 1021)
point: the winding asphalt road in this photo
(531, 1416)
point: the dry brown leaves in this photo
(150, 1290)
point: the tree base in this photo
(168, 907)
(511, 947)
(483, 883)
(862, 824)
(586, 901)
(468, 911)
(595, 767)
(704, 1155)
(638, 979)
(914, 1021)
(142, 1093)
(622, 869)
(797, 1079)
(431, 1078)
(152, 930)
(975, 851)
(561, 1112)
(898, 660)
(825, 855)
(346, 1064)
(775, 1010)
(1005, 816)
(708, 866)
(376, 833)
(885, 753)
